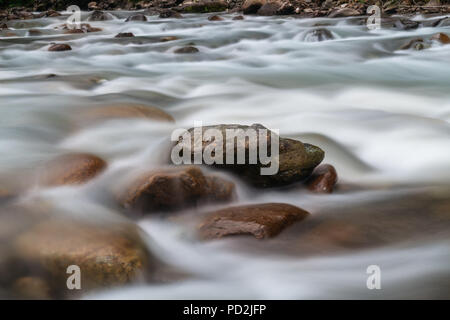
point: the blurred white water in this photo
(382, 116)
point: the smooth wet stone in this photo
(344, 12)
(415, 44)
(203, 6)
(136, 17)
(100, 16)
(186, 50)
(261, 220)
(165, 14)
(94, 114)
(71, 169)
(323, 179)
(215, 18)
(107, 255)
(124, 35)
(172, 188)
(238, 18)
(441, 37)
(296, 160)
(168, 38)
(59, 47)
(318, 35)
(405, 24)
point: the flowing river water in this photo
(381, 115)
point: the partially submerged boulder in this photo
(59, 47)
(317, 35)
(441, 37)
(260, 220)
(295, 161)
(71, 169)
(323, 179)
(107, 255)
(186, 50)
(136, 18)
(173, 188)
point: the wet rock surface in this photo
(173, 188)
(59, 47)
(106, 256)
(320, 34)
(124, 35)
(186, 50)
(296, 160)
(323, 179)
(136, 18)
(71, 169)
(260, 220)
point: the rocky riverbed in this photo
(86, 177)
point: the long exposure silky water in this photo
(381, 115)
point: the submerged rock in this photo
(60, 47)
(405, 24)
(215, 18)
(100, 16)
(107, 255)
(165, 14)
(416, 44)
(323, 179)
(296, 160)
(442, 38)
(173, 188)
(260, 220)
(168, 38)
(317, 35)
(124, 35)
(204, 6)
(71, 169)
(136, 17)
(185, 50)
(238, 18)
(3, 26)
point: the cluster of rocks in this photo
(170, 8)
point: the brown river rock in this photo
(107, 256)
(442, 38)
(136, 17)
(260, 220)
(323, 179)
(215, 18)
(60, 47)
(186, 50)
(173, 188)
(296, 160)
(124, 35)
(69, 169)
